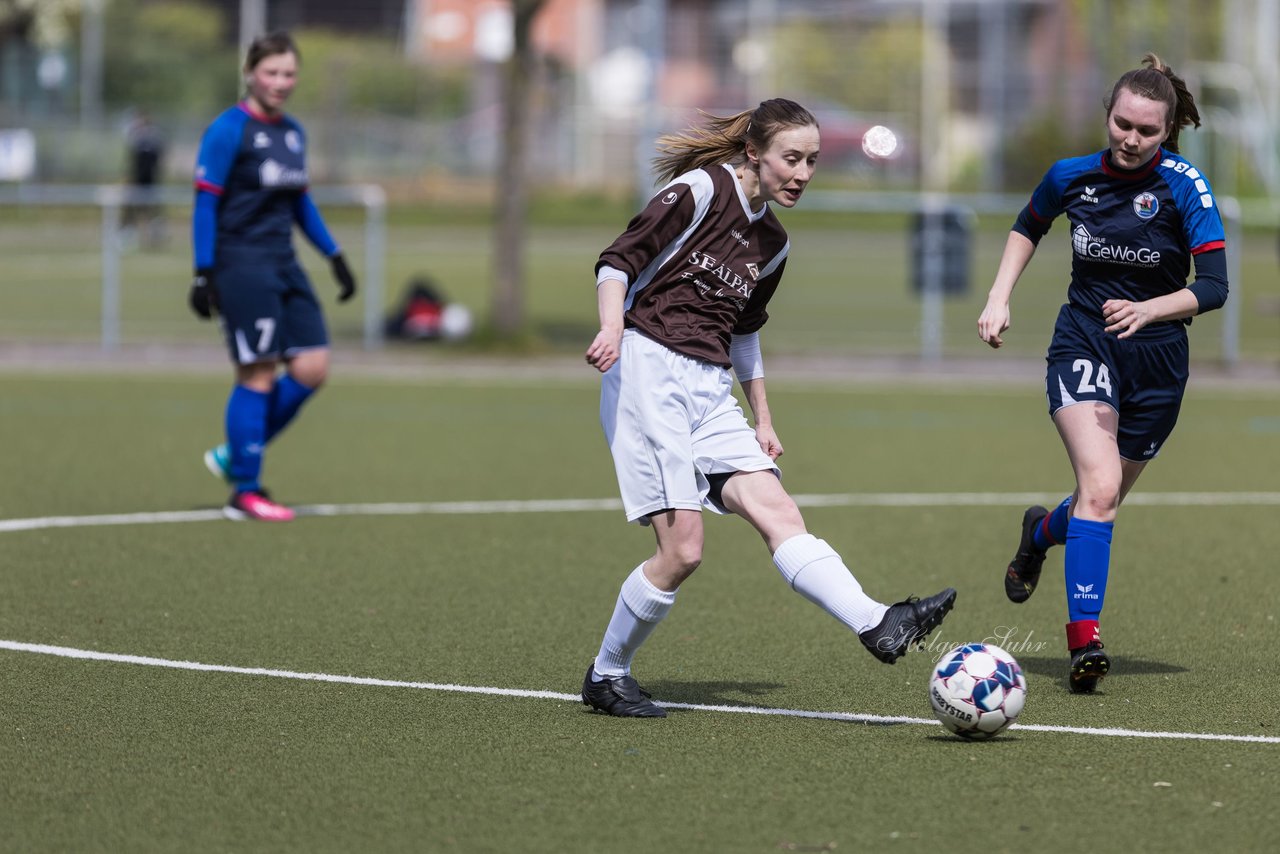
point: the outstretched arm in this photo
(994, 319)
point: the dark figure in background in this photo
(142, 211)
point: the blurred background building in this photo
(403, 104)
(980, 92)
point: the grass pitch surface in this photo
(404, 586)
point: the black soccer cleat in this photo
(1024, 570)
(1088, 665)
(906, 623)
(620, 696)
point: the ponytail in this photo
(723, 139)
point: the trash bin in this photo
(951, 240)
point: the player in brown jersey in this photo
(682, 296)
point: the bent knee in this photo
(310, 368)
(311, 374)
(312, 381)
(669, 568)
(1099, 504)
(687, 558)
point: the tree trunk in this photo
(511, 203)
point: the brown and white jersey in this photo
(700, 264)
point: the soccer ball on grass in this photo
(977, 690)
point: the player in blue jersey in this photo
(251, 188)
(1140, 217)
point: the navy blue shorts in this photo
(1142, 378)
(268, 311)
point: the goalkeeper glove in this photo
(342, 273)
(203, 296)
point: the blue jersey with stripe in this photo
(1133, 233)
(257, 168)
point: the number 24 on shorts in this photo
(1088, 383)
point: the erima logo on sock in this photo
(1084, 592)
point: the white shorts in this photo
(670, 421)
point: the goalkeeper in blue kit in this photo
(251, 188)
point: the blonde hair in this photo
(723, 139)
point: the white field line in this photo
(581, 505)
(848, 717)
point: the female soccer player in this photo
(251, 187)
(1117, 365)
(682, 296)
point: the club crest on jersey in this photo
(754, 269)
(1145, 205)
(293, 140)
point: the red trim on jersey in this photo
(1081, 633)
(1131, 174)
(262, 117)
(1209, 247)
(1031, 206)
(209, 188)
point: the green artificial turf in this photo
(114, 756)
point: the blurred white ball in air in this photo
(455, 322)
(879, 141)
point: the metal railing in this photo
(112, 199)
(932, 291)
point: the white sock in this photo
(816, 572)
(640, 608)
